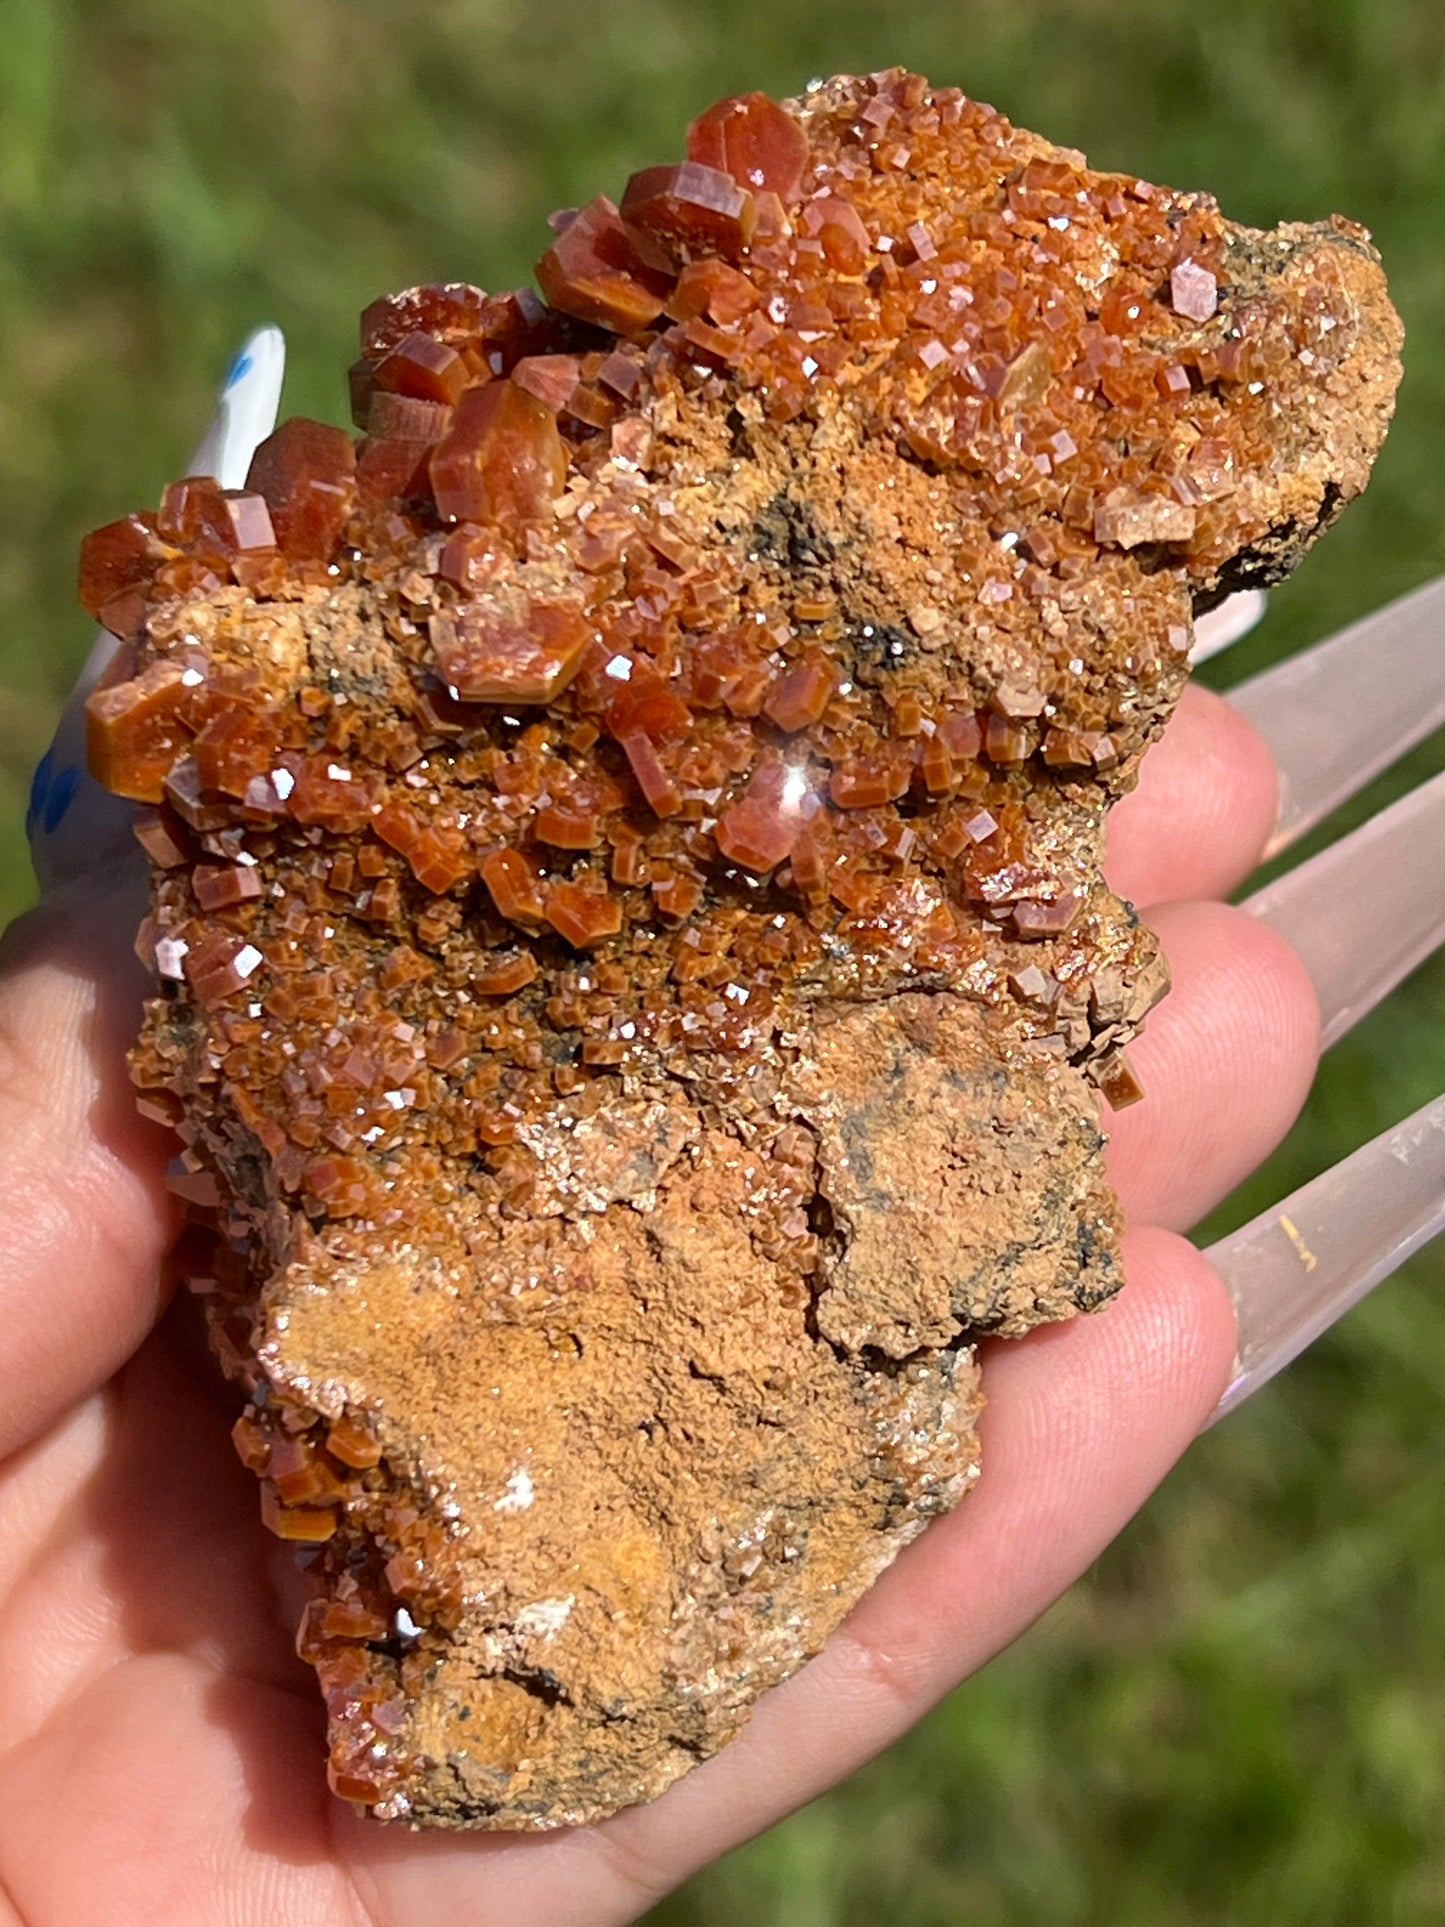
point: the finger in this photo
(1204, 809)
(1083, 1422)
(38, 1487)
(164, 1793)
(1226, 1062)
(87, 1218)
(75, 827)
(113, 1556)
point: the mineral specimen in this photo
(632, 957)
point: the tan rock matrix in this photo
(632, 962)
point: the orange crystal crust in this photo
(632, 958)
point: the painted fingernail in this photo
(1224, 626)
(75, 827)
(246, 413)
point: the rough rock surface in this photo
(632, 959)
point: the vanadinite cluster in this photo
(632, 964)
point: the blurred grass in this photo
(1240, 1715)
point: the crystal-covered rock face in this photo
(632, 963)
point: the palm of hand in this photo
(162, 1751)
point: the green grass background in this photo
(1240, 1715)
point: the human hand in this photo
(164, 1749)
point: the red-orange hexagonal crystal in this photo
(423, 368)
(596, 270)
(690, 210)
(307, 473)
(489, 655)
(800, 695)
(750, 137)
(760, 829)
(121, 556)
(502, 459)
(583, 915)
(513, 885)
(713, 288)
(134, 732)
(452, 311)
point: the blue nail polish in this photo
(52, 791)
(39, 790)
(240, 368)
(62, 795)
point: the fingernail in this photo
(1341, 712)
(1225, 625)
(246, 412)
(1295, 1269)
(75, 827)
(1368, 910)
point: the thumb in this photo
(86, 1218)
(75, 827)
